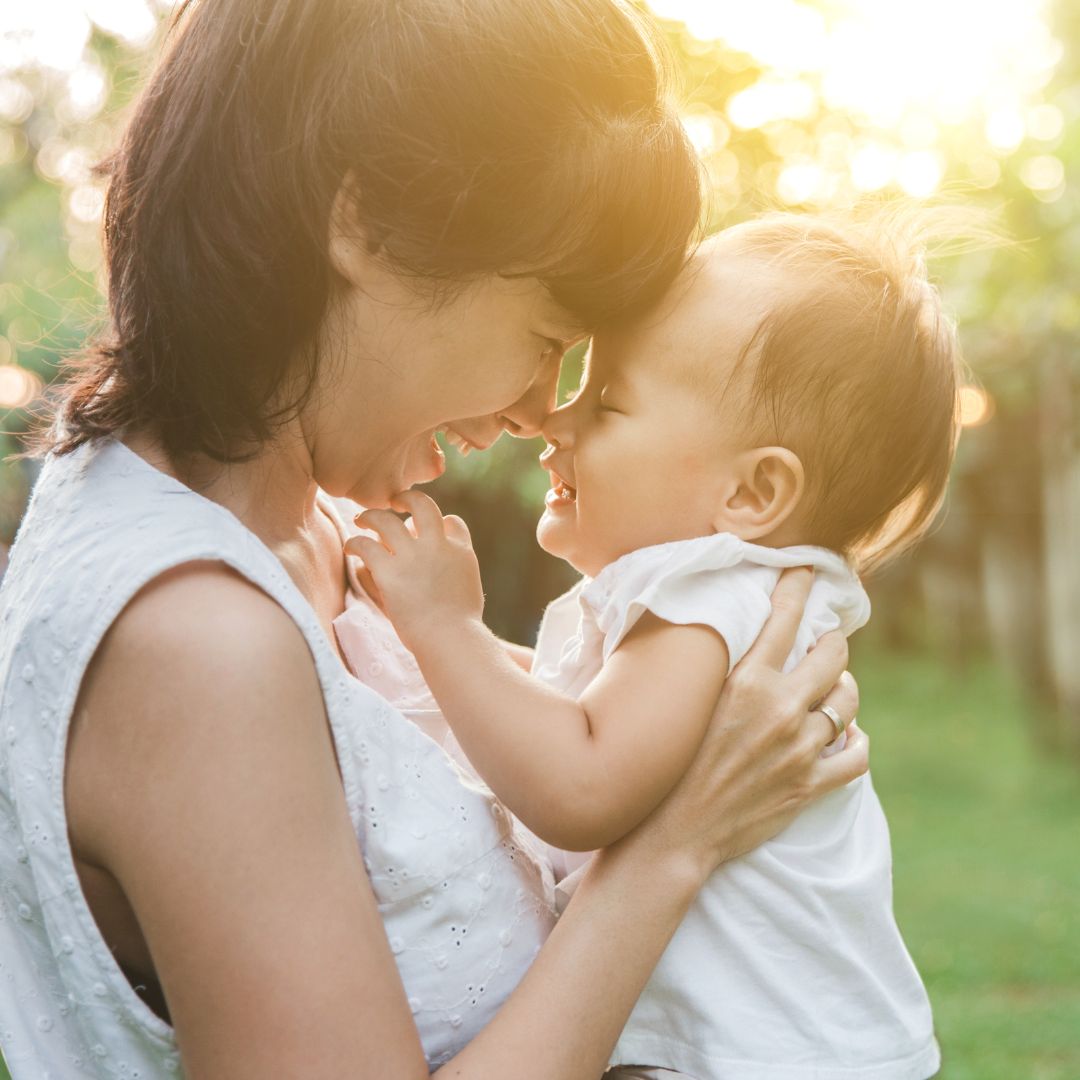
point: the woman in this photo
(334, 228)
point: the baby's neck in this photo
(789, 534)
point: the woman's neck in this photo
(273, 493)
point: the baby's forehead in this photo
(712, 311)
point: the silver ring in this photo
(834, 716)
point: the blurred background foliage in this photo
(975, 644)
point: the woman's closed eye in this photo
(605, 403)
(553, 349)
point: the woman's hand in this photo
(425, 570)
(760, 762)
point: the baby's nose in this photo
(556, 428)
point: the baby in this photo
(791, 403)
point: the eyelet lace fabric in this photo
(464, 902)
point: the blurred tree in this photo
(790, 106)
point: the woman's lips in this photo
(434, 463)
(458, 441)
(434, 459)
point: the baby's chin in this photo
(550, 539)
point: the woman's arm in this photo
(231, 840)
(201, 774)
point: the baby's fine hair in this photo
(858, 372)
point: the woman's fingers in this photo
(849, 764)
(390, 528)
(820, 670)
(426, 516)
(844, 697)
(841, 697)
(777, 638)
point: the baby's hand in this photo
(425, 569)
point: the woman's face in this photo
(397, 368)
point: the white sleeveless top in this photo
(465, 907)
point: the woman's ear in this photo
(769, 484)
(353, 251)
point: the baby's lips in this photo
(558, 477)
(546, 465)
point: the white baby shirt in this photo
(789, 965)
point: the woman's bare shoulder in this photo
(202, 778)
(200, 664)
(195, 608)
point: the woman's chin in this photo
(422, 462)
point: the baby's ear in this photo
(769, 483)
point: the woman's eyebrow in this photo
(566, 336)
(563, 325)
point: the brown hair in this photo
(526, 137)
(858, 373)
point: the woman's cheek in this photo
(494, 394)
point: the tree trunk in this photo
(1061, 509)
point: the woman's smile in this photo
(430, 461)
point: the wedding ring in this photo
(834, 716)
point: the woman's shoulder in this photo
(198, 608)
(135, 610)
(209, 666)
(105, 527)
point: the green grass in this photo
(986, 840)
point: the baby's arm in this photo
(582, 773)
(522, 655)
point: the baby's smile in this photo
(634, 459)
(561, 493)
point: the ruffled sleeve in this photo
(725, 583)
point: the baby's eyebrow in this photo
(617, 381)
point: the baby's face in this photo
(646, 451)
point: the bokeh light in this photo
(976, 406)
(18, 387)
(898, 72)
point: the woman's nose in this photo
(526, 416)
